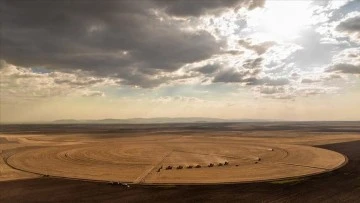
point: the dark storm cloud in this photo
(120, 39)
(345, 68)
(199, 7)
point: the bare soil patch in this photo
(341, 185)
(134, 160)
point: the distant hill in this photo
(156, 120)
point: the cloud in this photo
(291, 92)
(268, 81)
(234, 52)
(271, 90)
(19, 82)
(115, 39)
(331, 77)
(123, 40)
(189, 8)
(312, 91)
(258, 48)
(308, 80)
(351, 26)
(93, 94)
(181, 99)
(295, 75)
(159, 43)
(209, 68)
(347, 62)
(253, 63)
(229, 76)
(77, 81)
(345, 68)
(250, 69)
(275, 92)
(248, 74)
(350, 56)
(248, 77)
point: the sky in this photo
(263, 59)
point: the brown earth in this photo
(142, 159)
(82, 155)
(342, 185)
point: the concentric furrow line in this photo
(137, 161)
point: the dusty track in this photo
(136, 160)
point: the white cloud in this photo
(347, 62)
(25, 84)
(350, 56)
(91, 93)
(181, 99)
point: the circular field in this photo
(186, 161)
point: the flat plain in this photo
(176, 156)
